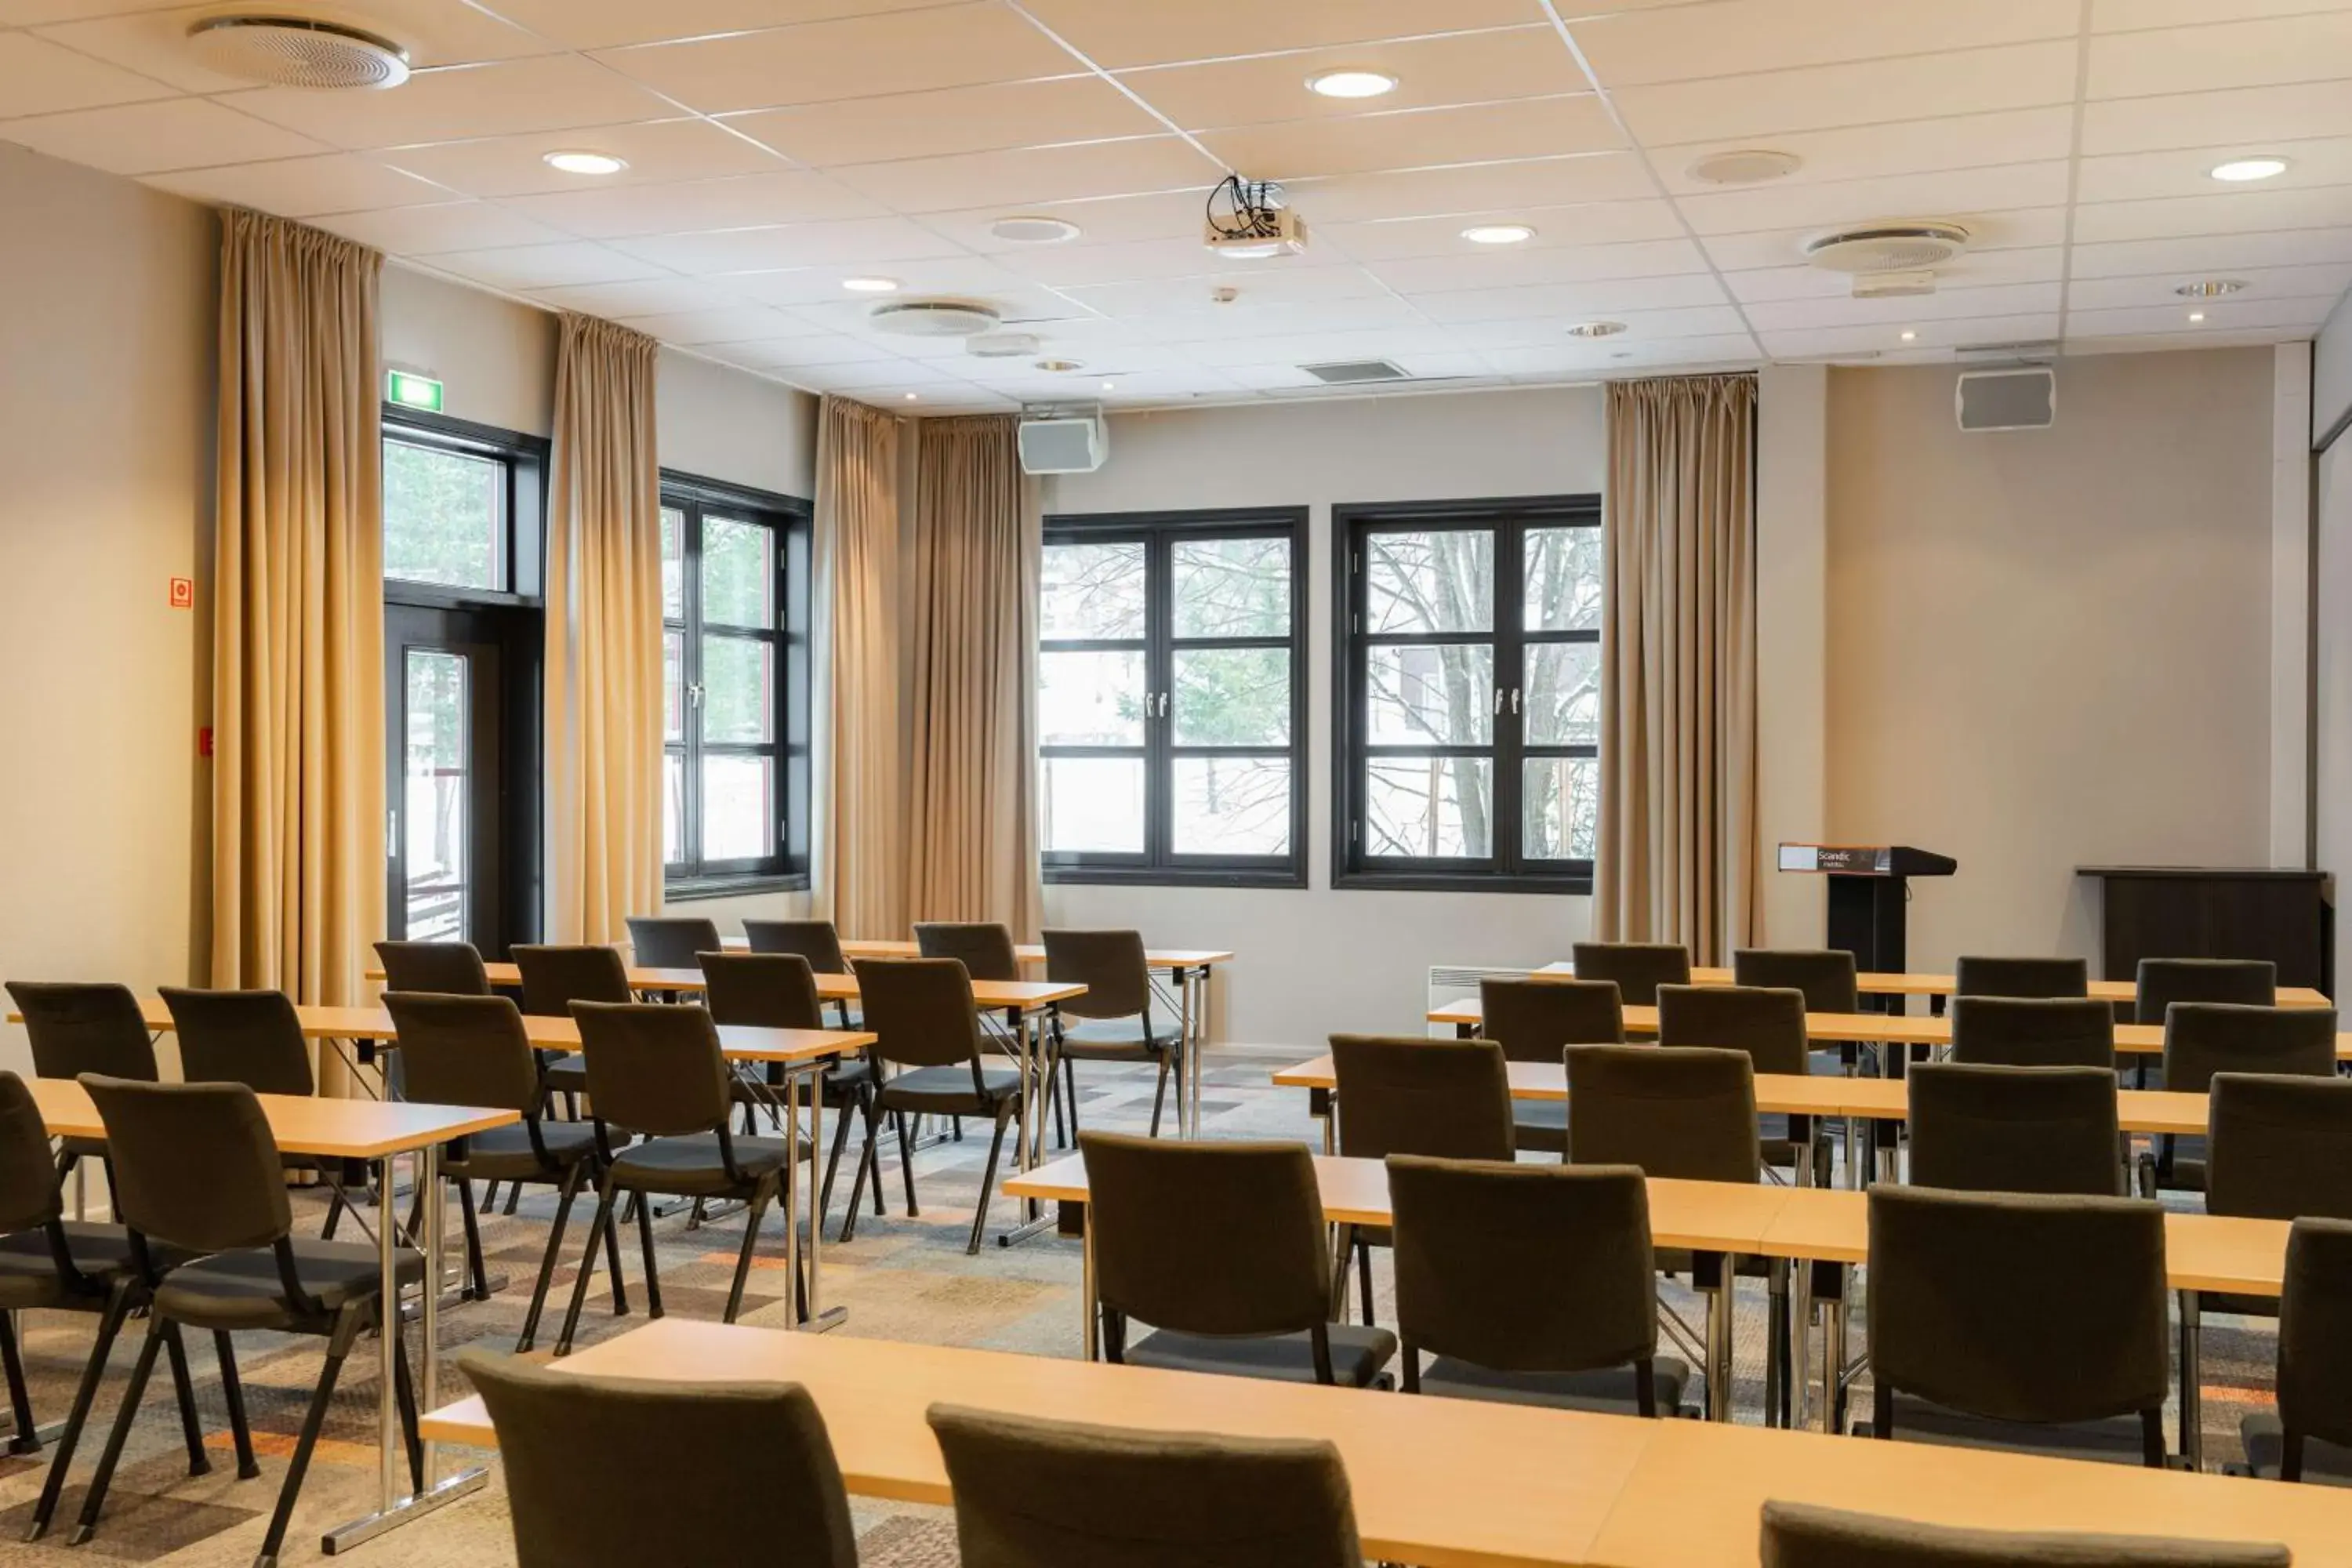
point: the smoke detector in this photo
(934, 318)
(297, 51)
(1747, 166)
(1897, 245)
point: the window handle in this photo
(1515, 701)
(1498, 701)
(1163, 705)
(694, 694)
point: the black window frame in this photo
(791, 518)
(1508, 870)
(1159, 865)
(524, 504)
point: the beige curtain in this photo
(862, 871)
(971, 801)
(298, 882)
(1677, 848)
(604, 746)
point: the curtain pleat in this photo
(972, 811)
(862, 871)
(297, 808)
(604, 718)
(1677, 847)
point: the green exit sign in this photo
(413, 391)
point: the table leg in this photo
(1718, 1342)
(1193, 987)
(1801, 1341)
(1833, 1361)
(2193, 1384)
(1028, 1139)
(1090, 1318)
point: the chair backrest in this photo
(1207, 1238)
(1767, 1022)
(654, 1067)
(195, 1164)
(447, 968)
(815, 941)
(1419, 1096)
(2018, 1307)
(919, 1010)
(670, 942)
(1672, 1110)
(2015, 1130)
(1109, 964)
(2033, 1032)
(985, 946)
(1061, 1494)
(252, 1037)
(585, 1458)
(555, 976)
(2314, 1353)
(2276, 1148)
(1801, 1535)
(1534, 1020)
(2201, 1038)
(28, 1182)
(2252, 982)
(768, 990)
(1524, 1267)
(1978, 975)
(1826, 975)
(76, 1028)
(464, 1050)
(1638, 968)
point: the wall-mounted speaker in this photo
(2024, 398)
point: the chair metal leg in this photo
(612, 1261)
(761, 1198)
(570, 1190)
(1364, 1278)
(489, 1196)
(906, 1163)
(26, 1438)
(403, 1390)
(480, 1288)
(192, 1431)
(597, 1229)
(338, 1345)
(334, 1213)
(1054, 1105)
(93, 1372)
(987, 1179)
(645, 1248)
(1160, 1094)
(94, 1501)
(865, 1162)
(2290, 1455)
(514, 1196)
(833, 1165)
(233, 1391)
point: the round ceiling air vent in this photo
(1905, 244)
(1745, 166)
(298, 51)
(934, 318)
(1032, 229)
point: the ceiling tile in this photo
(148, 138)
(858, 56)
(1477, 187)
(954, 119)
(41, 78)
(642, 297)
(2240, 120)
(1059, 265)
(656, 150)
(550, 92)
(2131, 177)
(1573, 357)
(1945, 304)
(1450, 68)
(1418, 139)
(155, 42)
(2208, 254)
(1593, 223)
(863, 241)
(1919, 87)
(1955, 193)
(1475, 266)
(2220, 316)
(2028, 227)
(1118, 35)
(1251, 291)
(720, 324)
(2263, 283)
(1198, 321)
(544, 265)
(32, 13)
(2124, 16)
(746, 201)
(1904, 147)
(604, 24)
(2237, 54)
(303, 187)
(1739, 38)
(2195, 338)
(1822, 342)
(786, 354)
(429, 231)
(1697, 294)
(1158, 214)
(965, 276)
(1310, 348)
(2236, 212)
(1975, 269)
(1034, 174)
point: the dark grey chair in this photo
(1529, 1284)
(778, 990)
(1220, 1247)
(2009, 1320)
(2202, 1039)
(656, 1070)
(671, 941)
(985, 947)
(2276, 1151)
(2015, 1130)
(1114, 1018)
(2033, 1032)
(444, 968)
(1977, 975)
(255, 1038)
(554, 976)
(1826, 975)
(1534, 1021)
(1062, 1494)
(929, 1049)
(815, 941)
(1799, 1535)
(2249, 982)
(1637, 968)
(471, 1050)
(249, 1273)
(578, 1451)
(2309, 1435)
(1768, 1023)
(76, 1028)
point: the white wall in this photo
(2332, 685)
(1314, 960)
(1791, 649)
(495, 358)
(106, 494)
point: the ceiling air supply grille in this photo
(1355, 372)
(1896, 246)
(298, 51)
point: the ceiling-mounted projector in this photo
(1248, 220)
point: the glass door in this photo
(443, 680)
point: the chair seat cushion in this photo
(241, 1289)
(83, 1148)
(505, 1154)
(28, 1270)
(1610, 1388)
(1116, 1039)
(568, 1074)
(2324, 1464)
(692, 1167)
(2116, 1440)
(1540, 1126)
(948, 1090)
(1358, 1355)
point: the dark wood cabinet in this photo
(2196, 911)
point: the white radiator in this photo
(1452, 982)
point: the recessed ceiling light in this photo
(586, 162)
(1107, 386)
(1596, 329)
(2211, 288)
(2196, 315)
(2237, 171)
(1060, 367)
(1033, 230)
(1352, 83)
(1910, 337)
(910, 397)
(1497, 233)
(870, 285)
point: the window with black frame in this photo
(1467, 739)
(735, 687)
(1171, 697)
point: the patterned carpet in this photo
(901, 1279)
